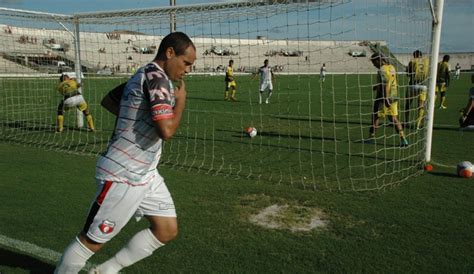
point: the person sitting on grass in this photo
(466, 121)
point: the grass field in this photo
(421, 225)
(309, 136)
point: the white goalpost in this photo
(311, 134)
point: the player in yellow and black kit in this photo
(230, 84)
(418, 71)
(386, 100)
(442, 80)
(72, 98)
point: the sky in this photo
(457, 32)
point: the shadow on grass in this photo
(18, 260)
(444, 174)
(27, 125)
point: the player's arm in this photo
(410, 69)
(448, 76)
(385, 86)
(60, 88)
(167, 118)
(111, 101)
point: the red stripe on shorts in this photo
(103, 193)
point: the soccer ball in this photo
(251, 132)
(465, 169)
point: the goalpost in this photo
(312, 132)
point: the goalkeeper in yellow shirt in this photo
(230, 84)
(418, 72)
(72, 98)
(386, 100)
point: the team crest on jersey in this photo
(107, 226)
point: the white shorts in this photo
(417, 89)
(74, 101)
(266, 84)
(116, 203)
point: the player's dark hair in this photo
(417, 54)
(231, 61)
(179, 41)
(61, 78)
(446, 58)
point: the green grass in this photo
(424, 225)
(309, 136)
(421, 225)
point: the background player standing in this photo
(442, 80)
(230, 84)
(128, 182)
(72, 98)
(322, 73)
(457, 71)
(418, 72)
(386, 100)
(266, 81)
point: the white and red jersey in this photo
(135, 147)
(265, 74)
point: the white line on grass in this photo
(34, 250)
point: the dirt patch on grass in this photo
(281, 214)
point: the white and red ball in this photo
(465, 169)
(251, 132)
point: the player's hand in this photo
(180, 91)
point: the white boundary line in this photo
(32, 249)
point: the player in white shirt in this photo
(457, 71)
(322, 73)
(128, 182)
(266, 75)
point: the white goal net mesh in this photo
(310, 134)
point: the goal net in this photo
(312, 130)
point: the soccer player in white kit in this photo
(128, 183)
(457, 71)
(322, 73)
(266, 75)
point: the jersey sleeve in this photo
(160, 95)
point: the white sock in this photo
(74, 258)
(139, 247)
(260, 97)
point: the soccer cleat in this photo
(267, 101)
(443, 107)
(403, 142)
(233, 99)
